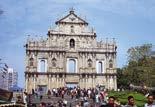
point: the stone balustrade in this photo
(111, 70)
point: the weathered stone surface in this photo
(72, 41)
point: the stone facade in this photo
(70, 56)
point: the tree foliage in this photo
(141, 66)
(122, 81)
(139, 52)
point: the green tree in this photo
(122, 80)
(140, 68)
(139, 52)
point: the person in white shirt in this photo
(150, 103)
(131, 102)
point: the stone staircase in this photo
(33, 99)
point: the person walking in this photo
(150, 103)
(111, 103)
(131, 102)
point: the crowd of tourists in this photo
(92, 97)
(92, 93)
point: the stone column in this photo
(60, 81)
(83, 62)
(53, 81)
(26, 82)
(110, 82)
(57, 81)
(67, 65)
(63, 80)
(30, 84)
(49, 81)
(34, 82)
(81, 82)
(88, 84)
(107, 81)
(86, 81)
(89, 81)
(115, 83)
(93, 80)
(52, 77)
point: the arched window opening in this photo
(42, 65)
(72, 29)
(54, 62)
(89, 63)
(72, 43)
(72, 66)
(31, 61)
(110, 64)
(100, 67)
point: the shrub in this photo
(122, 96)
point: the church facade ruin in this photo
(70, 56)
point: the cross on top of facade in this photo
(71, 10)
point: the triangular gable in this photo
(72, 18)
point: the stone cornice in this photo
(78, 23)
(80, 50)
(63, 34)
(64, 73)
